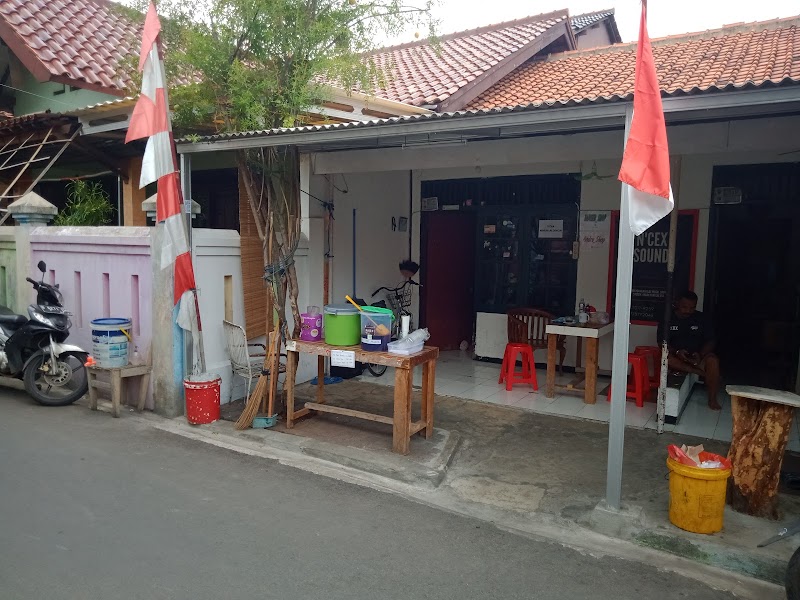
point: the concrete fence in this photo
(114, 272)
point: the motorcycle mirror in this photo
(42, 266)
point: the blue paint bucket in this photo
(110, 339)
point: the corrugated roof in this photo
(85, 43)
(731, 57)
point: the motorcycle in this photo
(32, 349)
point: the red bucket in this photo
(202, 398)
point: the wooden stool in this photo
(639, 387)
(508, 371)
(117, 374)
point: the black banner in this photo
(650, 266)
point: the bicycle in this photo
(399, 301)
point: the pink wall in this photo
(102, 272)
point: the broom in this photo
(254, 401)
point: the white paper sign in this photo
(595, 228)
(551, 228)
(343, 358)
(291, 346)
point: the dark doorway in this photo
(448, 276)
(755, 274)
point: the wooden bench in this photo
(117, 375)
(762, 423)
(402, 425)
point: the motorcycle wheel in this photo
(376, 370)
(69, 383)
(792, 580)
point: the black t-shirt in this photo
(689, 334)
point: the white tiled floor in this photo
(459, 376)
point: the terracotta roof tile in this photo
(420, 73)
(735, 56)
(81, 40)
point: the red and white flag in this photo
(150, 119)
(645, 163)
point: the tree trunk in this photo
(760, 433)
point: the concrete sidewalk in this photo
(531, 473)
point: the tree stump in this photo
(760, 433)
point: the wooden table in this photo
(402, 426)
(762, 423)
(117, 375)
(588, 380)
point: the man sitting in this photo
(691, 345)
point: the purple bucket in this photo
(310, 327)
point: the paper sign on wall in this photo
(595, 228)
(551, 228)
(343, 358)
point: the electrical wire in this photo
(5, 85)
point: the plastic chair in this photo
(245, 364)
(527, 326)
(638, 386)
(654, 352)
(508, 371)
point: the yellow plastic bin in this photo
(697, 497)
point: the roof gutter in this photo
(547, 118)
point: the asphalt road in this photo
(98, 508)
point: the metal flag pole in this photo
(619, 364)
(668, 294)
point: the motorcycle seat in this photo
(12, 321)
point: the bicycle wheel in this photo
(376, 370)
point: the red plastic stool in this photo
(509, 373)
(654, 352)
(638, 386)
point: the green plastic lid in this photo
(378, 310)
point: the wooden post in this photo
(550, 387)
(590, 395)
(402, 411)
(760, 433)
(292, 358)
(428, 390)
(133, 196)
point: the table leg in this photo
(144, 386)
(552, 350)
(428, 390)
(401, 420)
(92, 376)
(291, 373)
(321, 379)
(116, 391)
(590, 396)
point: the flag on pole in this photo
(150, 119)
(645, 163)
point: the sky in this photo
(665, 17)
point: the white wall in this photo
(380, 190)
(377, 197)
(217, 254)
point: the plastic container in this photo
(376, 328)
(341, 325)
(202, 398)
(311, 327)
(405, 349)
(697, 496)
(110, 339)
